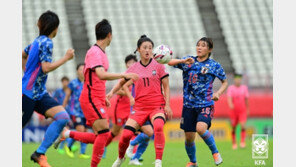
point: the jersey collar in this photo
(147, 64)
(99, 47)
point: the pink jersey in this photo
(148, 88)
(93, 86)
(238, 95)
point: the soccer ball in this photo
(162, 54)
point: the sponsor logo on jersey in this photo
(154, 72)
(204, 70)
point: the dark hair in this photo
(103, 28)
(130, 57)
(78, 65)
(48, 22)
(65, 78)
(142, 39)
(208, 41)
(237, 75)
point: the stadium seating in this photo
(176, 23)
(31, 12)
(247, 27)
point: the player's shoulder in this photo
(44, 40)
(230, 87)
(134, 66)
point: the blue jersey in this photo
(198, 81)
(74, 105)
(33, 82)
(59, 95)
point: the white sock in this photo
(67, 133)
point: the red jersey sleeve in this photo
(246, 92)
(162, 72)
(95, 60)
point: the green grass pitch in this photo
(174, 156)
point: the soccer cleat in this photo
(74, 148)
(217, 158)
(129, 151)
(234, 146)
(69, 152)
(243, 144)
(84, 156)
(135, 162)
(61, 151)
(141, 159)
(158, 163)
(40, 159)
(191, 164)
(60, 138)
(118, 162)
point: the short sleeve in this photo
(162, 72)
(219, 72)
(95, 60)
(46, 52)
(27, 49)
(71, 85)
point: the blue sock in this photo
(53, 131)
(70, 142)
(62, 144)
(82, 148)
(209, 140)
(141, 149)
(139, 139)
(191, 150)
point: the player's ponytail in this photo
(142, 39)
(209, 43)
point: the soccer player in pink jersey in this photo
(93, 96)
(238, 101)
(149, 103)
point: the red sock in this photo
(243, 135)
(233, 136)
(126, 136)
(159, 140)
(84, 137)
(98, 148)
(110, 138)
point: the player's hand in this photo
(70, 54)
(189, 61)
(132, 76)
(108, 104)
(109, 95)
(168, 111)
(215, 96)
(132, 101)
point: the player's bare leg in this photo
(201, 128)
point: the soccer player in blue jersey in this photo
(59, 94)
(71, 100)
(37, 63)
(198, 100)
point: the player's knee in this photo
(158, 123)
(62, 117)
(201, 130)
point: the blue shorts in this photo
(78, 121)
(41, 106)
(190, 117)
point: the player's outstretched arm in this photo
(125, 87)
(103, 75)
(222, 88)
(48, 67)
(24, 60)
(166, 87)
(116, 88)
(174, 62)
(67, 96)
